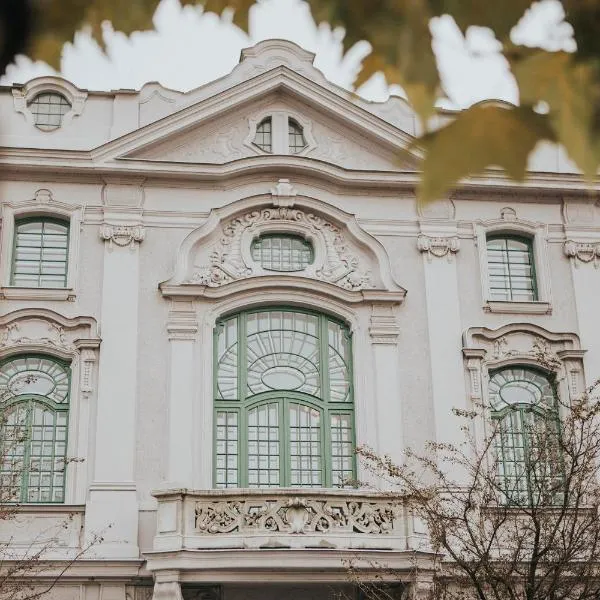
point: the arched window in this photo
(284, 410)
(34, 413)
(41, 249)
(48, 109)
(296, 140)
(264, 135)
(282, 252)
(525, 415)
(511, 269)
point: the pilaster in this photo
(113, 508)
(439, 245)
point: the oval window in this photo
(280, 252)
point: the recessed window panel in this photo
(511, 269)
(264, 135)
(296, 140)
(48, 110)
(281, 252)
(40, 253)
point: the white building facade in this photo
(208, 299)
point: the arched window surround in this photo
(511, 226)
(42, 205)
(23, 96)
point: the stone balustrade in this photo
(283, 518)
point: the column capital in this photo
(122, 235)
(582, 252)
(438, 246)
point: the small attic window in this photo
(263, 138)
(48, 109)
(296, 140)
(282, 252)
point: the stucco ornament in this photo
(229, 262)
(122, 235)
(53, 336)
(295, 516)
(580, 252)
(438, 246)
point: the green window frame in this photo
(40, 257)
(34, 423)
(524, 412)
(48, 110)
(282, 252)
(296, 140)
(511, 268)
(283, 404)
(264, 135)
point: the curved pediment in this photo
(220, 253)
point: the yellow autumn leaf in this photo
(482, 136)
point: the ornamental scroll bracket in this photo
(335, 260)
(582, 252)
(438, 246)
(122, 235)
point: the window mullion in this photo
(285, 466)
(326, 449)
(27, 441)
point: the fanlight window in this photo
(511, 269)
(48, 110)
(524, 413)
(40, 253)
(284, 410)
(296, 140)
(264, 135)
(281, 252)
(34, 405)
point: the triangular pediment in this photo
(217, 125)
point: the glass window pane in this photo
(511, 274)
(296, 140)
(40, 254)
(279, 252)
(48, 110)
(263, 135)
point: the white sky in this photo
(190, 48)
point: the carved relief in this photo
(580, 252)
(438, 246)
(227, 262)
(122, 235)
(29, 332)
(295, 516)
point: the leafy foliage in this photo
(399, 33)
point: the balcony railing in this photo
(283, 518)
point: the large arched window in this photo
(284, 412)
(34, 414)
(525, 414)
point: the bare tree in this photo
(529, 530)
(26, 571)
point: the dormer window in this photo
(296, 140)
(264, 133)
(48, 109)
(282, 252)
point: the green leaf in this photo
(572, 91)
(241, 10)
(482, 136)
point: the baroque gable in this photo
(219, 252)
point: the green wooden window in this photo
(40, 253)
(282, 252)
(296, 140)
(264, 132)
(284, 411)
(525, 412)
(511, 269)
(34, 415)
(48, 110)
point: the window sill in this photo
(23, 293)
(526, 308)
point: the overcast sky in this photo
(190, 48)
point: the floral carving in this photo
(295, 516)
(227, 263)
(438, 246)
(582, 252)
(11, 335)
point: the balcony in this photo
(309, 532)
